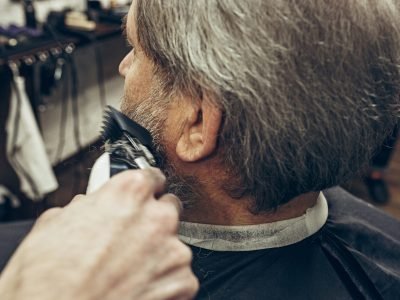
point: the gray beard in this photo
(151, 113)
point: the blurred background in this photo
(58, 70)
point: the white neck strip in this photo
(256, 237)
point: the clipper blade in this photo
(127, 142)
(115, 124)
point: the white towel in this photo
(25, 147)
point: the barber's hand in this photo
(116, 243)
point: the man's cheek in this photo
(127, 103)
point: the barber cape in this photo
(342, 248)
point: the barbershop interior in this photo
(56, 81)
(60, 116)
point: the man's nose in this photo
(124, 66)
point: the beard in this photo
(151, 113)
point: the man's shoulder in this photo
(347, 210)
(370, 235)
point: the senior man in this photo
(255, 108)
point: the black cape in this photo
(355, 255)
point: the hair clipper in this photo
(127, 146)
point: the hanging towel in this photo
(25, 147)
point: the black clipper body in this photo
(127, 143)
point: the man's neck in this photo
(222, 210)
(215, 206)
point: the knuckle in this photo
(158, 173)
(128, 181)
(190, 283)
(48, 215)
(78, 198)
(183, 254)
(175, 202)
(186, 253)
(140, 178)
(166, 217)
(193, 284)
(170, 214)
(124, 180)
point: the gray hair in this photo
(309, 89)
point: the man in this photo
(255, 108)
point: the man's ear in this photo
(199, 136)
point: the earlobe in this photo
(200, 133)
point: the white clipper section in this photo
(100, 173)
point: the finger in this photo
(179, 284)
(78, 198)
(139, 185)
(173, 200)
(157, 184)
(48, 216)
(174, 285)
(163, 216)
(176, 255)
